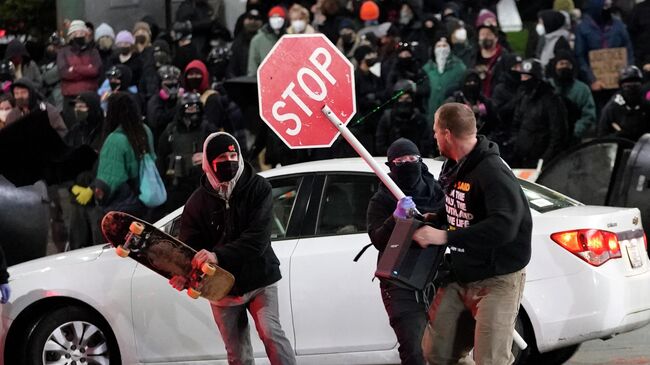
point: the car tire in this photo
(73, 333)
(524, 330)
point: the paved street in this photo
(626, 349)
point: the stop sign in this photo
(301, 75)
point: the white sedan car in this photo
(588, 278)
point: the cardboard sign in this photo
(607, 64)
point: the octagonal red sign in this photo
(301, 75)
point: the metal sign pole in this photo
(354, 142)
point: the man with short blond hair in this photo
(489, 233)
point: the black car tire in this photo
(95, 335)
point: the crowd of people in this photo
(129, 92)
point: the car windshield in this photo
(544, 200)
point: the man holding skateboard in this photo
(228, 220)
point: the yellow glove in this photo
(83, 194)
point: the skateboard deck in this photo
(132, 237)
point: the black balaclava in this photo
(472, 87)
(408, 175)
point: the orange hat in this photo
(369, 11)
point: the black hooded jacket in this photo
(489, 220)
(88, 132)
(238, 232)
(428, 197)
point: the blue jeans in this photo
(231, 318)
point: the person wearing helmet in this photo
(179, 148)
(403, 120)
(118, 78)
(163, 107)
(540, 119)
(627, 113)
(186, 50)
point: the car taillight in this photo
(592, 245)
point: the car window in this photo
(543, 199)
(284, 198)
(344, 203)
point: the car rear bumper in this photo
(588, 305)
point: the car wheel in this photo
(521, 356)
(72, 336)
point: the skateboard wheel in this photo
(208, 269)
(121, 251)
(193, 293)
(136, 228)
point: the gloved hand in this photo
(404, 209)
(5, 290)
(83, 194)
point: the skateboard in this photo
(132, 237)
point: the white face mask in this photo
(276, 22)
(298, 25)
(405, 17)
(539, 28)
(461, 35)
(4, 114)
(441, 54)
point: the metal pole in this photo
(354, 142)
(383, 176)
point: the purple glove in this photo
(404, 209)
(6, 293)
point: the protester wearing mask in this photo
(598, 30)
(265, 39)
(180, 152)
(28, 99)
(504, 99)
(149, 83)
(348, 39)
(406, 308)
(460, 46)
(471, 95)
(118, 78)
(104, 41)
(403, 120)
(408, 67)
(199, 17)
(581, 108)
(445, 74)
(251, 23)
(554, 34)
(50, 72)
(163, 107)
(627, 114)
(79, 68)
(489, 58)
(540, 119)
(6, 104)
(412, 31)
(84, 216)
(327, 15)
(24, 66)
(369, 91)
(486, 17)
(126, 55)
(240, 242)
(299, 20)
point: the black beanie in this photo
(402, 147)
(553, 20)
(219, 144)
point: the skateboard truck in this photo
(135, 230)
(197, 276)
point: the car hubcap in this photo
(76, 343)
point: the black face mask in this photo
(530, 84)
(632, 94)
(194, 83)
(405, 64)
(125, 50)
(407, 175)
(226, 170)
(403, 110)
(564, 75)
(347, 38)
(79, 41)
(141, 39)
(192, 120)
(371, 61)
(81, 116)
(486, 43)
(114, 85)
(514, 77)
